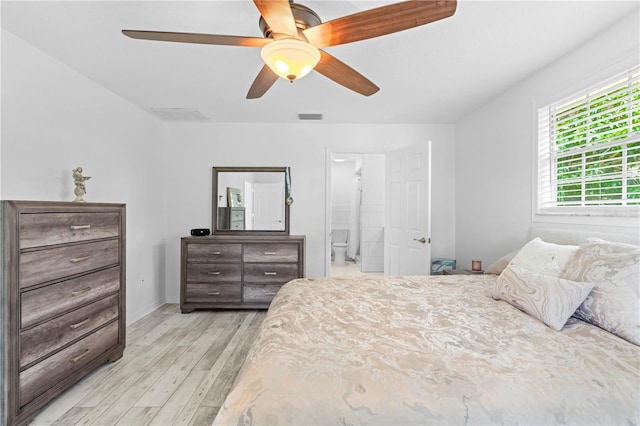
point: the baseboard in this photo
(144, 311)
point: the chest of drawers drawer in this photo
(213, 293)
(214, 272)
(260, 293)
(54, 263)
(43, 229)
(270, 272)
(214, 253)
(270, 252)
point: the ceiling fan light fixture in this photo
(290, 58)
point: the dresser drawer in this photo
(270, 273)
(259, 293)
(53, 370)
(270, 252)
(43, 229)
(50, 264)
(213, 293)
(237, 214)
(214, 252)
(47, 337)
(214, 272)
(47, 302)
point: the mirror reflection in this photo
(250, 201)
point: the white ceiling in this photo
(436, 73)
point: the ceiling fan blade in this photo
(262, 83)
(344, 75)
(379, 21)
(278, 15)
(226, 40)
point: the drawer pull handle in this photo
(271, 273)
(77, 227)
(79, 357)
(214, 293)
(213, 273)
(78, 325)
(79, 292)
(269, 293)
(216, 253)
(79, 259)
(270, 253)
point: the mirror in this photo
(250, 201)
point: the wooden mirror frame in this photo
(214, 201)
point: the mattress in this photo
(426, 350)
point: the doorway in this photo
(356, 204)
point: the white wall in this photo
(195, 148)
(53, 120)
(494, 148)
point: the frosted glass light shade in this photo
(290, 58)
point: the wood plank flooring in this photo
(177, 369)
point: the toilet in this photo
(339, 245)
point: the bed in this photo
(460, 349)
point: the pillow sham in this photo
(498, 266)
(544, 258)
(614, 303)
(549, 299)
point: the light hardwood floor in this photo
(176, 370)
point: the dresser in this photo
(237, 272)
(231, 218)
(62, 298)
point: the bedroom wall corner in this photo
(494, 148)
(55, 119)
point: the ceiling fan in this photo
(294, 36)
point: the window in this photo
(589, 150)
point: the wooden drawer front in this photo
(259, 293)
(237, 224)
(270, 273)
(270, 252)
(214, 252)
(39, 341)
(213, 293)
(214, 272)
(237, 215)
(47, 302)
(53, 370)
(44, 265)
(43, 229)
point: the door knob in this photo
(421, 240)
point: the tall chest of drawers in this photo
(62, 304)
(237, 272)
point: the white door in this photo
(268, 206)
(408, 211)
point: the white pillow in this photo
(614, 303)
(544, 258)
(550, 299)
(498, 266)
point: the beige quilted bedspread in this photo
(426, 350)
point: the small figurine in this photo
(79, 180)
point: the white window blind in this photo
(589, 150)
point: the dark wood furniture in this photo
(237, 272)
(62, 299)
(459, 272)
(231, 218)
